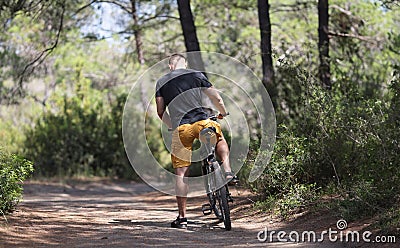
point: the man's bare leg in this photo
(223, 152)
(181, 188)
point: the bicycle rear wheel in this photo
(222, 201)
(221, 208)
(214, 206)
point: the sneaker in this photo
(179, 223)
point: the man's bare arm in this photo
(216, 99)
(164, 116)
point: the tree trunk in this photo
(189, 33)
(266, 54)
(323, 44)
(266, 48)
(138, 33)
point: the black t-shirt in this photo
(182, 93)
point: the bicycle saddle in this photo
(208, 136)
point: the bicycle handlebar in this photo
(219, 116)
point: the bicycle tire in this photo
(221, 197)
(214, 208)
(224, 207)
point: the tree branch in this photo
(298, 6)
(84, 7)
(347, 12)
(160, 16)
(124, 8)
(36, 99)
(42, 55)
(363, 38)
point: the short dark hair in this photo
(174, 58)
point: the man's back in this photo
(182, 93)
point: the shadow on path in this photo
(125, 214)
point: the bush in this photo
(286, 166)
(80, 136)
(389, 222)
(286, 184)
(296, 199)
(13, 171)
(338, 137)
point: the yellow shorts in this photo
(183, 138)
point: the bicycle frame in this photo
(210, 165)
(216, 188)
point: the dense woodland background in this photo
(331, 68)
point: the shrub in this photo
(80, 136)
(389, 222)
(339, 137)
(286, 166)
(13, 171)
(286, 184)
(296, 199)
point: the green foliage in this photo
(296, 199)
(285, 168)
(286, 179)
(389, 222)
(82, 138)
(13, 171)
(10, 136)
(155, 143)
(361, 199)
(339, 137)
(31, 30)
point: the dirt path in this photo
(124, 214)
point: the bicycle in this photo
(216, 188)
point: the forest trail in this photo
(100, 213)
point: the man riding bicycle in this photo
(181, 90)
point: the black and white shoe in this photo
(179, 223)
